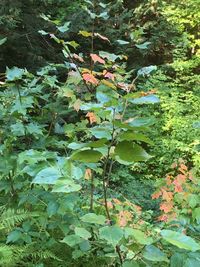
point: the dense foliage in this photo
(99, 139)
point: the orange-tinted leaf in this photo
(89, 78)
(163, 218)
(88, 174)
(181, 178)
(166, 206)
(178, 187)
(117, 201)
(156, 195)
(168, 196)
(124, 217)
(109, 205)
(97, 58)
(92, 117)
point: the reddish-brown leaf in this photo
(92, 117)
(89, 78)
(97, 58)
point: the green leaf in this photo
(65, 186)
(14, 236)
(129, 136)
(82, 232)
(2, 41)
(153, 253)
(177, 260)
(65, 27)
(72, 240)
(43, 32)
(100, 132)
(180, 240)
(47, 176)
(87, 156)
(85, 246)
(193, 200)
(129, 152)
(130, 264)
(139, 236)
(146, 70)
(196, 215)
(143, 46)
(149, 99)
(94, 144)
(112, 234)
(141, 122)
(52, 208)
(14, 73)
(191, 263)
(93, 218)
(122, 42)
(104, 15)
(109, 56)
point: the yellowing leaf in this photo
(85, 33)
(77, 105)
(88, 174)
(109, 84)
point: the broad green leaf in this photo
(87, 156)
(52, 208)
(72, 240)
(82, 232)
(94, 144)
(146, 70)
(104, 15)
(177, 260)
(143, 46)
(14, 236)
(141, 122)
(43, 32)
(130, 135)
(191, 262)
(66, 186)
(130, 264)
(153, 253)
(122, 42)
(109, 56)
(65, 27)
(112, 234)
(127, 151)
(100, 132)
(139, 236)
(47, 176)
(93, 218)
(14, 73)
(180, 240)
(85, 246)
(196, 214)
(149, 99)
(193, 200)
(2, 41)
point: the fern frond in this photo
(9, 218)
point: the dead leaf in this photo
(92, 117)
